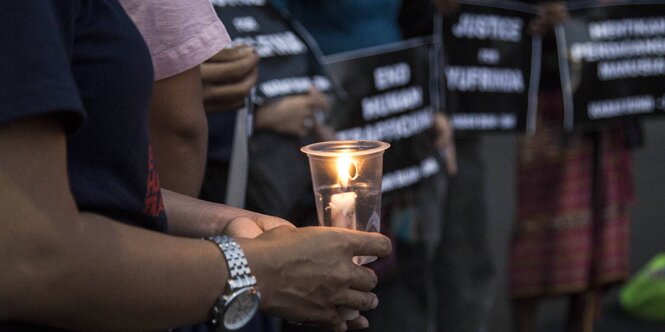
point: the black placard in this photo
(290, 62)
(491, 66)
(612, 61)
(387, 92)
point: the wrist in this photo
(261, 116)
(239, 301)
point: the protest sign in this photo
(491, 66)
(289, 62)
(387, 98)
(612, 61)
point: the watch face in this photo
(241, 308)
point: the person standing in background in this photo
(574, 194)
(465, 272)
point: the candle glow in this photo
(346, 170)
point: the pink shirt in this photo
(180, 34)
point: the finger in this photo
(363, 279)
(357, 300)
(306, 126)
(297, 130)
(317, 100)
(299, 103)
(357, 323)
(232, 53)
(341, 328)
(368, 243)
(330, 319)
(229, 71)
(213, 93)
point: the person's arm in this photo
(76, 270)
(179, 132)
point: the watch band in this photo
(240, 276)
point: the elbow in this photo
(35, 269)
(188, 133)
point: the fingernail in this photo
(375, 303)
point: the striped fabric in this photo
(568, 237)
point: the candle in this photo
(343, 210)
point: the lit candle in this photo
(343, 209)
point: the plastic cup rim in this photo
(348, 147)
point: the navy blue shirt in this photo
(84, 62)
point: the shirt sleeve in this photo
(35, 69)
(180, 34)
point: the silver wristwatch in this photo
(240, 300)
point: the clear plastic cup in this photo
(346, 178)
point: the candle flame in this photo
(346, 170)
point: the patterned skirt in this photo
(574, 194)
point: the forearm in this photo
(92, 273)
(179, 132)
